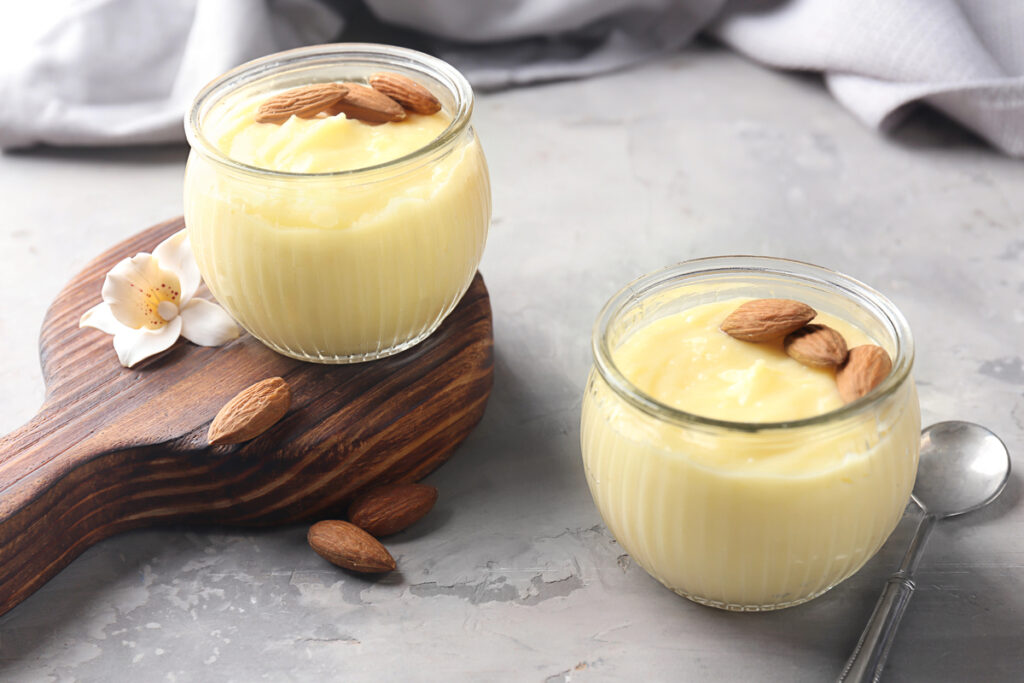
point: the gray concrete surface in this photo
(513, 577)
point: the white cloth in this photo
(116, 72)
(504, 43)
(963, 57)
(124, 71)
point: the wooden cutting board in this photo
(114, 449)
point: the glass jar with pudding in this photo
(330, 234)
(734, 474)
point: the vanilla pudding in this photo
(318, 144)
(329, 238)
(732, 473)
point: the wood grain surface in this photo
(114, 449)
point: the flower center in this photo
(167, 310)
(157, 303)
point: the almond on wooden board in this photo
(818, 346)
(349, 547)
(389, 509)
(305, 102)
(251, 412)
(366, 104)
(865, 367)
(763, 320)
(407, 92)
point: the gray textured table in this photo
(513, 576)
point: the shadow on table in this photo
(122, 583)
(926, 128)
(530, 428)
(104, 586)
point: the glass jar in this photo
(749, 516)
(344, 266)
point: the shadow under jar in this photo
(739, 515)
(348, 265)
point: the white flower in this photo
(148, 302)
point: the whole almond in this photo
(366, 104)
(763, 320)
(349, 547)
(251, 412)
(406, 92)
(389, 509)
(304, 102)
(864, 368)
(818, 346)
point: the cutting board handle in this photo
(115, 448)
(49, 512)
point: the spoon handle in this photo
(868, 658)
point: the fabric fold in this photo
(110, 72)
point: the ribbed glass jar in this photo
(345, 266)
(749, 516)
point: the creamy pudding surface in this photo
(320, 144)
(687, 362)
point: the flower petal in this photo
(134, 289)
(133, 346)
(207, 324)
(100, 317)
(175, 254)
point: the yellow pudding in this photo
(730, 472)
(327, 238)
(685, 361)
(320, 144)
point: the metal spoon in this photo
(963, 467)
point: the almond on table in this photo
(349, 547)
(389, 509)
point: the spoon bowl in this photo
(963, 467)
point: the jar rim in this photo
(656, 281)
(281, 62)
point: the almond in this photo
(816, 345)
(864, 368)
(366, 104)
(406, 92)
(305, 102)
(389, 509)
(349, 547)
(251, 412)
(767, 319)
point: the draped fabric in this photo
(109, 72)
